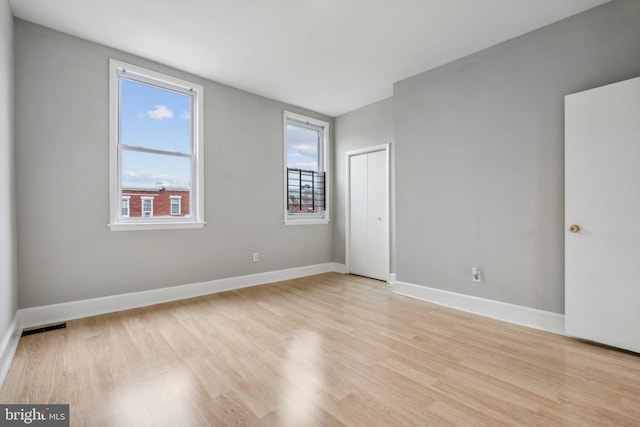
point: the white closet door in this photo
(377, 221)
(602, 213)
(369, 222)
(359, 216)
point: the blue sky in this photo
(159, 119)
(302, 148)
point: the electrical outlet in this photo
(476, 274)
(256, 257)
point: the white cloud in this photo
(185, 116)
(159, 113)
(305, 149)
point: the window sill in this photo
(311, 221)
(130, 226)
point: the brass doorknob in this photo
(574, 228)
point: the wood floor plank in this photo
(227, 410)
(325, 350)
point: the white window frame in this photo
(128, 200)
(139, 74)
(146, 199)
(302, 120)
(179, 199)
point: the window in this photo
(147, 206)
(306, 186)
(156, 139)
(125, 206)
(175, 205)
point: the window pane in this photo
(153, 171)
(303, 148)
(154, 118)
(305, 191)
(125, 207)
(147, 207)
(175, 206)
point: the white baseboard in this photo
(392, 278)
(8, 346)
(339, 268)
(55, 313)
(525, 316)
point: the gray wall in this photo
(479, 157)
(65, 250)
(365, 127)
(8, 269)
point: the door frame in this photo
(382, 147)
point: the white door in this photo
(602, 203)
(368, 240)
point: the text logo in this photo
(34, 415)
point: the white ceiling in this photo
(330, 56)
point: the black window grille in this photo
(305, 191)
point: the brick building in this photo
(155, 202)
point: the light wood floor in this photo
(320, 351)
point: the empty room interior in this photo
(312, 213)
